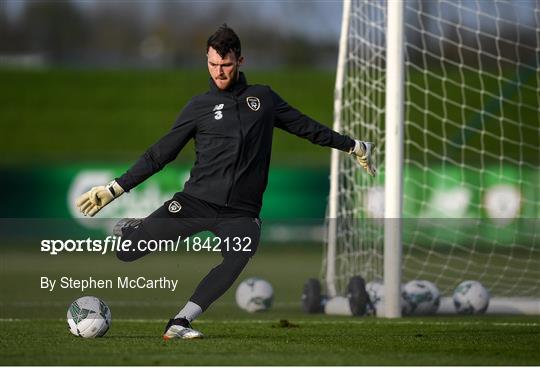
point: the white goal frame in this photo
(394, 143)
(394, 158)
(393, 184)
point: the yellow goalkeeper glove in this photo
(363, 152)
(96, 198)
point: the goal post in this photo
(393, 185)
(449, 92)
(334, 165)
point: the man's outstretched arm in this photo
(152, 161)
(293, 121)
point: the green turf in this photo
(21, 295)
(34, 330)
(319, 340)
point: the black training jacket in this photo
(233, 140)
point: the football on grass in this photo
(471, 297)
(254, 295)
(422, 296)
(89, 317)
(375, 290)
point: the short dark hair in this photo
(223, 40)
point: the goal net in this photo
(471, 138)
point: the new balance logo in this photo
(218, 114)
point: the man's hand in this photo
(96, 198)
(363, 152)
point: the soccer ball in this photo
(422, 296)
(375, 290)
(89, 316)
(471, 297)
(254, 295)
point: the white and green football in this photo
(423, 297)
(254, 295)
(375, 290)
(89, 317)
(471, 297)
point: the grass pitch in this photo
(310, 340)
(34, 330)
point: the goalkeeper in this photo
(232, 126)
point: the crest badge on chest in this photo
(253, 102)
(174, 207)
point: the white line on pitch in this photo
(134, 303)
(262, 321)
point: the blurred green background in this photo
(56, 123)
(72, 115)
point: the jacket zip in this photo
(239, 152)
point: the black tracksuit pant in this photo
(185, 215)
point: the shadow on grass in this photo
(156, 337)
